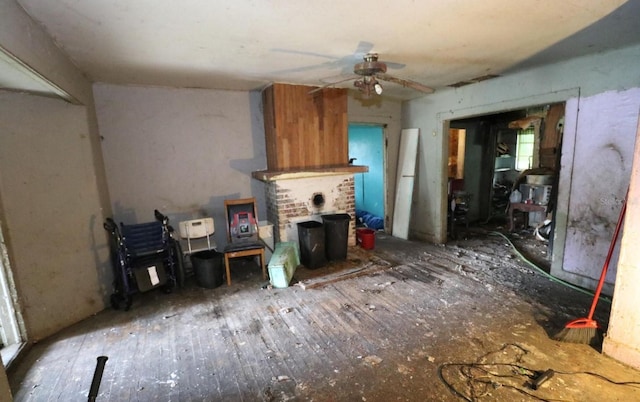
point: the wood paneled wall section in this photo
(305, 130)
(551, 137)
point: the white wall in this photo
(583, 77)
(597, 155)
(181, 151)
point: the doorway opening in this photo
(367, 147)
(507, 167)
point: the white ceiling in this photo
(245, 44)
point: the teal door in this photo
(366, 145)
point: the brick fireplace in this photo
(304, 196)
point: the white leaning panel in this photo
(404, 182)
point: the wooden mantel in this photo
(273, 175)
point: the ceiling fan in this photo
(369, 71)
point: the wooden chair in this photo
(242, 233)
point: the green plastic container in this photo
(283, 264)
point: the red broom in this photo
(587, 330)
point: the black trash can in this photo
(311, 238)
(336, 234)
(208, 267)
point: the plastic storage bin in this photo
(283, 264)
(336, 232)
(311, 238)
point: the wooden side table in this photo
(526, 208)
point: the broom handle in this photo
(605, 267)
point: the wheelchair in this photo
(145, 256)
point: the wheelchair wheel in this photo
(121, 302)
(179, 264)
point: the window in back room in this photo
(525, 148)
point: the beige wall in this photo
(623, 334)
(5, 390)
(52, 186)
(55, 289)
(51, 212)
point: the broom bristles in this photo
(588, 336)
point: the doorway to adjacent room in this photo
(492, 157)
(367, 147)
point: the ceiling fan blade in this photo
(405, 83)
(344, 63)
(363, 48)
(394, 66)
(331, 84)
(305, 53)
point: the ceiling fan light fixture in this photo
(368, 86)
(370, 71)
(363, 86)
(378, 88)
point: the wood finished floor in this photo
(389, 335)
